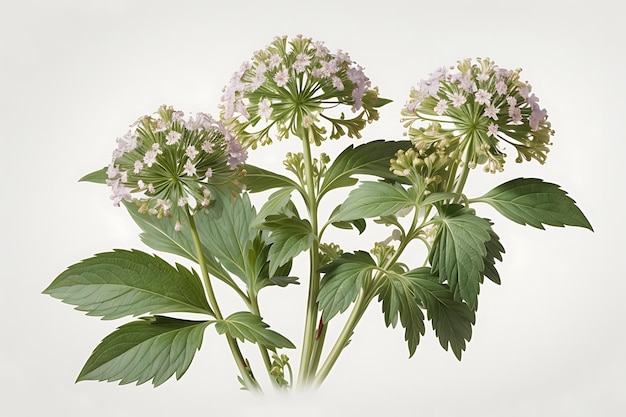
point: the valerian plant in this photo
(186, 183)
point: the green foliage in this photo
(459, 251)
(398, 300)
(451, 319)
(370, 158)
(536, 203)
(274, 205)
(289, 237)
(259, 179)
(230, 236)
(159, 234)
(153, 348)
(342, 281)
(244, 325)
(129, 283)
(374, 199)
(98, 177)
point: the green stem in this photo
(246, 373)
(306, 371)
(254, 308)
(360, 306)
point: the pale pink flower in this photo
(281, 77)
(172, 137)
(492, 130)
(441, 107)
(191, 152)
(492, 111)
(482, 96)
(458, 99)
(189, 168)
(265, 108)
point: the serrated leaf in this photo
(160, 234)
(374, 199)
(98, 177)
(258, 179)
(371, 158)
(342, 281)
(230, 236)
(459, 251)
(398, 300)
(437, 197)
(451, 319)
(129, 283)
(244, 325)
(153, 348)
(494, 252)
(536, 203)
(289, 237)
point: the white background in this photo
(74, 74)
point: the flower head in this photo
(294, 81)
(168, 166)
(477, 108)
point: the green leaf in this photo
(536, 203)
(437, 197)
(129, 283)
(153, 348)
(289, 237)
(274, 205)
(451, 319)
(98, 177)
(494, 252)
(371, 158)
(244, 325)
(459, 251)
(259, 179)
(230, 236)
(342, 281)
(374, 199)
(398, 300)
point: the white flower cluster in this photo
(288, 86)
(482, 106)
(167, 164)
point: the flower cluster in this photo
(474, 111)
(290, 88)
(168, 165)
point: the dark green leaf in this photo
(289, 237)
(536, 203)
(371, 158)
(373, 199)
(284, 281)
(342, 281)
(244, 325)
(129, 283)
(153, 348)
(259, 179)
(398, 300)
(452, 320)
(494, 251)
(98, 177)
(459, 251)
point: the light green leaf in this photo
(159, 234)
(536, 203)
(289, 237)
(129, 283)
(98, 177)
(244, 325)
(259, 179)
(153, 348)
(275, 203)
(437, 197)
(230, 236)
(398, 300)
(374, 199)
(459, 251)
(371, 158)
(342, 281)
(451, 319)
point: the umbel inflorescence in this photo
(473, 112)
(298, 87)
(167, 165)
